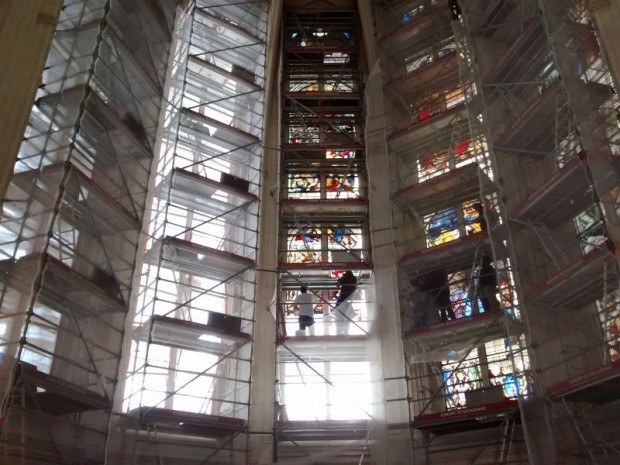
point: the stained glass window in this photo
(341, 186)
(419, 62)
(303, 134)
(304, 185)
(341, 237)
(336, 57)
(454, 98)
(590, 228)
(472, 217)
(434, 164)
(304, 245)
(609, 316)
(340, 85)
(340, 154)
(409, 14)
(441, 227)
(459, 379)
(501, 372)
(461, 288)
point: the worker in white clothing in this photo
(304, 304)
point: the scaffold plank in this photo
(466, 419)
(407, 136)
(452, 256)
(322, 430)
(123, 142)
(493, 15)
(598, 385)
(233, 33)
(203, 194)
(325, 266)
(183, 334)
(423, 23)
(335, 348)
(445, 68)
(562, 196)
(317, 278)
(216, 129)
(486, 325)
(517, 56)
(186, 423)
(56, 396)
(579, 283)
(62, 288)
(211, 73)
(534, 127)
(326, 209)
(85, 205)
(198, 260)
(453, 187)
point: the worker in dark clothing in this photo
(437, 284)
(419, 302)
(480, 220)
(344, 310)
(487, 286)
(348, 284)
(455, 10)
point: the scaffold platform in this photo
(311, 349)
(231, 137)
(562, 196)
(231, 39)
(183, 334)
(186, 423)
(466, 419)
(457, 185)
(424, 23)
(326, 209)
(407, 136)
(198, 260)
(577, 284)
(201, 72)
(85, 205)
(322, 430)
(479, 326)
(313, 100)
(200, 193)
(320, 275)
(54, 395)
(599, 385)
(62, 288)
(510, 67)
(122, 143)
(534, 127)
(452, 256)
(492, 17)
(445, 68)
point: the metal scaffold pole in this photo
(192, 350)
(72, 216)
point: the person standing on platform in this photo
(419, 302)
(304, 303)
(487, 286)
(344, 309)
(438, 285)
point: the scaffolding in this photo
(323, 410)
(70, 228)
(187, 392)
(546, 107)
(465, 345)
